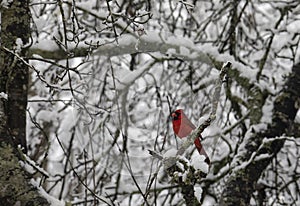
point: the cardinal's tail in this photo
(201, 150)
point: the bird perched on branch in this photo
(182, 127)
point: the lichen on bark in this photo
(15, 35)
(14, 186)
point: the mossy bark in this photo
(242, 183)
(15, 34)
(15, 188)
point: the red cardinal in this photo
(182, 127)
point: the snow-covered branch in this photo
(167, 45)
(214, 105)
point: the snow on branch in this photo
(185, 173)
(161, 45)
(126, 44)
(259, 147)
(169, 160)
(216, 96)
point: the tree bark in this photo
(15, 34)
(241, 183)
(15, 188)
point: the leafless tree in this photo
(105, 75)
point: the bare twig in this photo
(155, 154)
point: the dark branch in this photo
(242, 182)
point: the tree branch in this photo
(216, 96)
(242, 182)
(126, 44)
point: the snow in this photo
(184, 175)
(281, 40)
(262, 157)
(170, 153)
(143, 129)
(171, 52)
(31, 166)
(150, 42)
(184, 51)
(197, 161)
(52, 200)
(267, 111)
(297, 118)
(132, 76)
(3, 95)
(47, 45)
(6, 3)
(19, 45)
(198, 192)
(293, 27)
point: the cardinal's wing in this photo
(187, 122)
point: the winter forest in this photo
(87, 89)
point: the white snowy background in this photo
(92, 118)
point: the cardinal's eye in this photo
(175, 115)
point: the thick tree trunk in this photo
(15, 32)
(242, 183)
